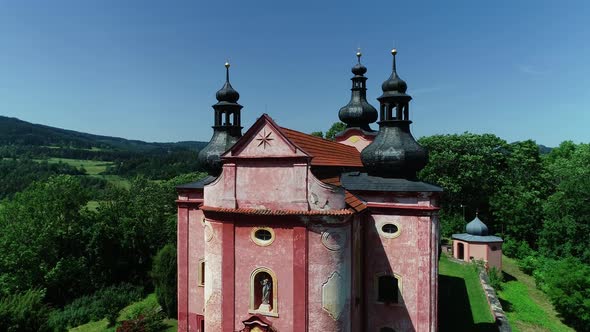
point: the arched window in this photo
(388, 289)
(263, 292)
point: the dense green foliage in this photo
(164, 277)
(23, 311)
(567, 283)
(17, 174)
(538, 203)
(106, 302)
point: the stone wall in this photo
(495, 306)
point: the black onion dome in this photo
(394, 84)
(358, 112)
(227, 92)
(476, 227)
(394, 153)
(359, 69)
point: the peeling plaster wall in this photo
(411, 256)
(213, 278)
(324, 197)
(182, 267)
(279, 186)
(278, 257)
(196, 252)
(329, 277)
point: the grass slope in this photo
(527, 308)
(462, 302)
(102, 325)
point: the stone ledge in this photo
(495, 305)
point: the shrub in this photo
(106, 302)
(516, 249)
(146, 316)
(23, 311)
(496, 278)
(164, 277)
(567, 283)
(529, 264)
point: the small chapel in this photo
(291, 232)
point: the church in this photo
(292, 232)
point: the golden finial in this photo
(358, 52)
(394, 51)
(227, 65)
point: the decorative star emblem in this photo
(264, 138)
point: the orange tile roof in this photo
(324, 152)
(279, 212)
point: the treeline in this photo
(539, 204)
(55, 249)
(18, 174)
(157, 166)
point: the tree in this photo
(566, 229)
(164, 277)
(469, 167)
(317, 134)
(335, 129)
(517, 205)
(42, 239)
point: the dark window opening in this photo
(389, 228)
(263, 234)
(386, 329)
(202, 274)
(388, 289)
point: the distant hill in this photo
(17, 132)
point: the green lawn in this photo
(102, 325)
(462, 302)
(527, 308)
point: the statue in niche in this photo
(266, 292)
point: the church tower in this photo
(227, 128)
(400, 227)
(358, 113)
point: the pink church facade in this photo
(292, 232)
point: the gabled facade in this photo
(296, 233)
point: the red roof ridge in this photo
(251, 211)
(324, 152)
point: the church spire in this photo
(226, 129)
(394, 152)
(358, 112)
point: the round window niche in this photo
(262, 236)
(389, 230)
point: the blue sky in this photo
(149, 70)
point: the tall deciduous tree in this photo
(42, 239)
(566, 229)
(470, 168)
(517, 206)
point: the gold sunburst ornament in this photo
(264, 138)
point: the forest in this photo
(78, 247)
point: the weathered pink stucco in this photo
(325, 255)
(490, 252)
